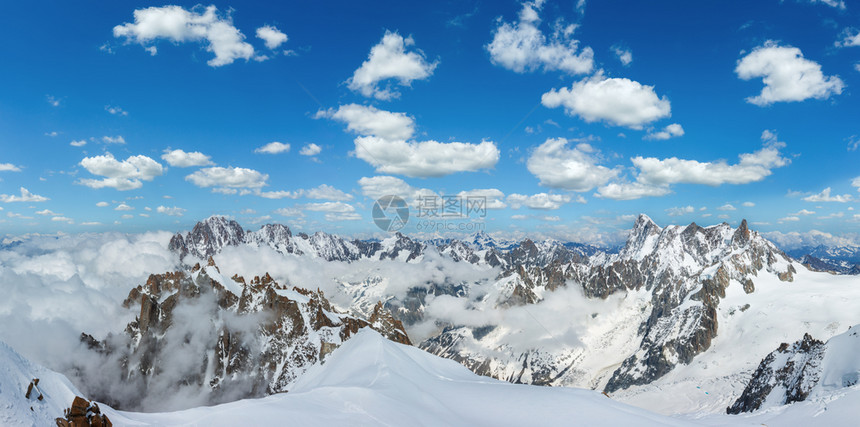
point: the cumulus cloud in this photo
(558, 166)
(117, 111)
(748, 204)
(850, 37)
(425, 158)
(170, 211)
(47, 212)
(521, 46)
(229, 177)
(812, 238)
(623, 54)
(390, 60)
(322, 192)
(78, 143)
(494, 197)
(330, 207)
(617, 101)
(838, 4)
(803, 212)
(179, 25)
(183, 159)
(290, 212)
(271, 36)
(824, 196)
(102, 204)
(538, 201)
(9, 167)
(274, 147)
(680, 211)
(310, 150)
(655, 176)
(786, 74)
(727, 207)
(121, 175)
(113, 139)
(123, 207)
(26, 196)
(378, 186)
(367, 120)
(670, 131)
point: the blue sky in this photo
(569, 116)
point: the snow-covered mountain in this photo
(216, 339)
(372, 381)
(834, 259)
(809, 367)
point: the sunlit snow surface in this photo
(372, 381)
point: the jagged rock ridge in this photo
(237, 339)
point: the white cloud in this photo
(824, 196)
(310, 150)
(173, 211)
(786, 74)
(330, 207)
(850, 37)
(538, 201)
(425, 158)
(839, 4)
(789, 219)
(390, 60)
(53, 101)
(727, 207)
(558, 166)
(322, 192)
(274, 147)
(670, 131)
(748, 204)
(102, 204)
(182, 159)
(121, 175)
(290, 212)
(623, 54)
(47, 212)
(326, 192)
(617, 101)
(113, 139)
(655, 176)
(9, 167)
(229, 177)
(368, 121)
(62, 219)
(117, 111)
(794, 239)
(493, 197)
(378, 186)
(271, 36)
(676, 211)
(349, 216)
(632, 190)
(521, 46)
(178, 25)
(78, 143)
(802, 212)
(26, 196)
(856, 183)
(52, 134)
(123, 207)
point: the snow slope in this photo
(372, 381)
(16, 372)
(751, 326)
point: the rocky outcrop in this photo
(784, 376)
(83, 413)
(236, 339)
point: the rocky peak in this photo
(742, 234)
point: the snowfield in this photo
(372, 381)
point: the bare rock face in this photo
(686, 271)
(233, 339)
(83, 413)
(785, 375)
